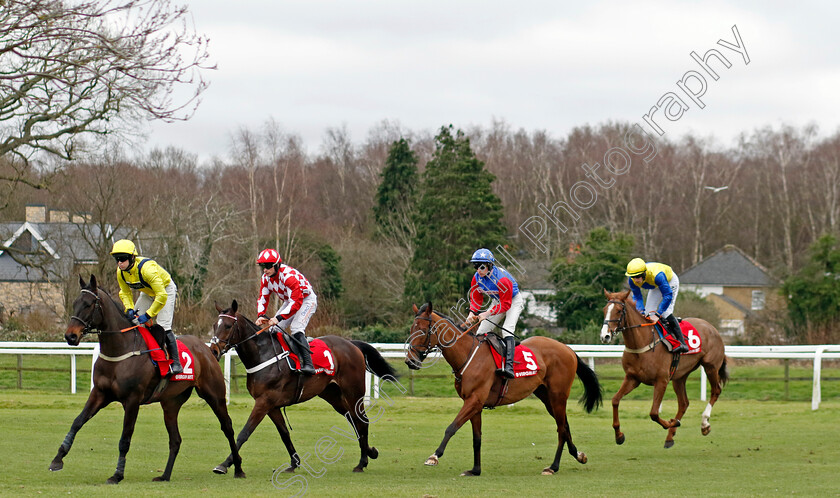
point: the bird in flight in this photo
(717, 189)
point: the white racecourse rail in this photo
(588, 351)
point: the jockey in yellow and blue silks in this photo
(508, 303)
(663, 285)
(157, 293)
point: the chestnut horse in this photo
(646, 360)
(125, 373)
(478, 385)
(273, 385)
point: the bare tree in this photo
(70, 68)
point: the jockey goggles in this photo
(481, 266)
(122, 257)
(267, 266)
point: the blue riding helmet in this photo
(483, 256)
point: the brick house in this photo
(39, 256)
(735, 283)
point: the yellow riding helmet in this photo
(124, 247)
(636, 266)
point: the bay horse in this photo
(646, 360)
(126, 374)
(273, 385)
(477, 384)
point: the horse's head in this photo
(425, 335)
(614, 314)
(87, 312)
(224, 330)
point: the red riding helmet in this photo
(269, 256)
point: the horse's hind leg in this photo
(682, 406)
(555, 403)
(716, 383)
(96, 401)
(276, 416)
(627, 385)
(171, 408)
(354, 412)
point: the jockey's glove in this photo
(131, 314)
(143, 318)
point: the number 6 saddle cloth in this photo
(692, 338)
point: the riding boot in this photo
(172, 350)
(676, 331)
(304, 355)
(510, 348)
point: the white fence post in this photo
(72, 374)
(93, 363)
(227, 379)
(816, 394)
(702, 384)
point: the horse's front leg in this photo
(476, 429)
(95, 402)
(131, 407)
(276, 416)
(658, 393)
(682, 406)
(627, 385)
(472, 406)
(171, 408)
(261, 406)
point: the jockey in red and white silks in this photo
(298, 301)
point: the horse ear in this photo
(415, 308)
(82, 282)
(624, 295)
(606, 294)
(93, 283)
(218, 308)
(429, 307)
(234, 306)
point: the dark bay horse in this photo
(273, 385)
(478, 385)
(646, 360)
(125, 373)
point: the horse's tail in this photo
(723, 373)
(374, 362)
(593, 391)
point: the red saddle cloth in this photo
(322, 357)
(692, 338)
(524, 364)
(163, 363)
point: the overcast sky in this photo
(543, 65)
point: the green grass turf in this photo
(755, 448)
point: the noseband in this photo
(421, 355)
(227, 343)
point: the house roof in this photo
(60, 245)
(729, 266)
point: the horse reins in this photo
(428, 333)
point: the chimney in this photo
(57, 216)
(36, 213)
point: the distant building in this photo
(735, 283)
(39, 255)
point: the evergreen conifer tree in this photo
(396, 193)
(457, 213)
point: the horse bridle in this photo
(88, 329)
(421, 355)
(227, 342)
(621, 319)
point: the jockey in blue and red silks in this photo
(663, 285)
(507, 303)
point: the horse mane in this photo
(445, 317)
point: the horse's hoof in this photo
(581, 457)
(675, 423)
(547, 471)
(619, 439)
(160, 479)
(373, 453)
(432, 460)
(471, 473)
(55, 466)
(239, 475)
(220, 469)
(114, 479)
(668, 444)
(706, 430)
(358, 469)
